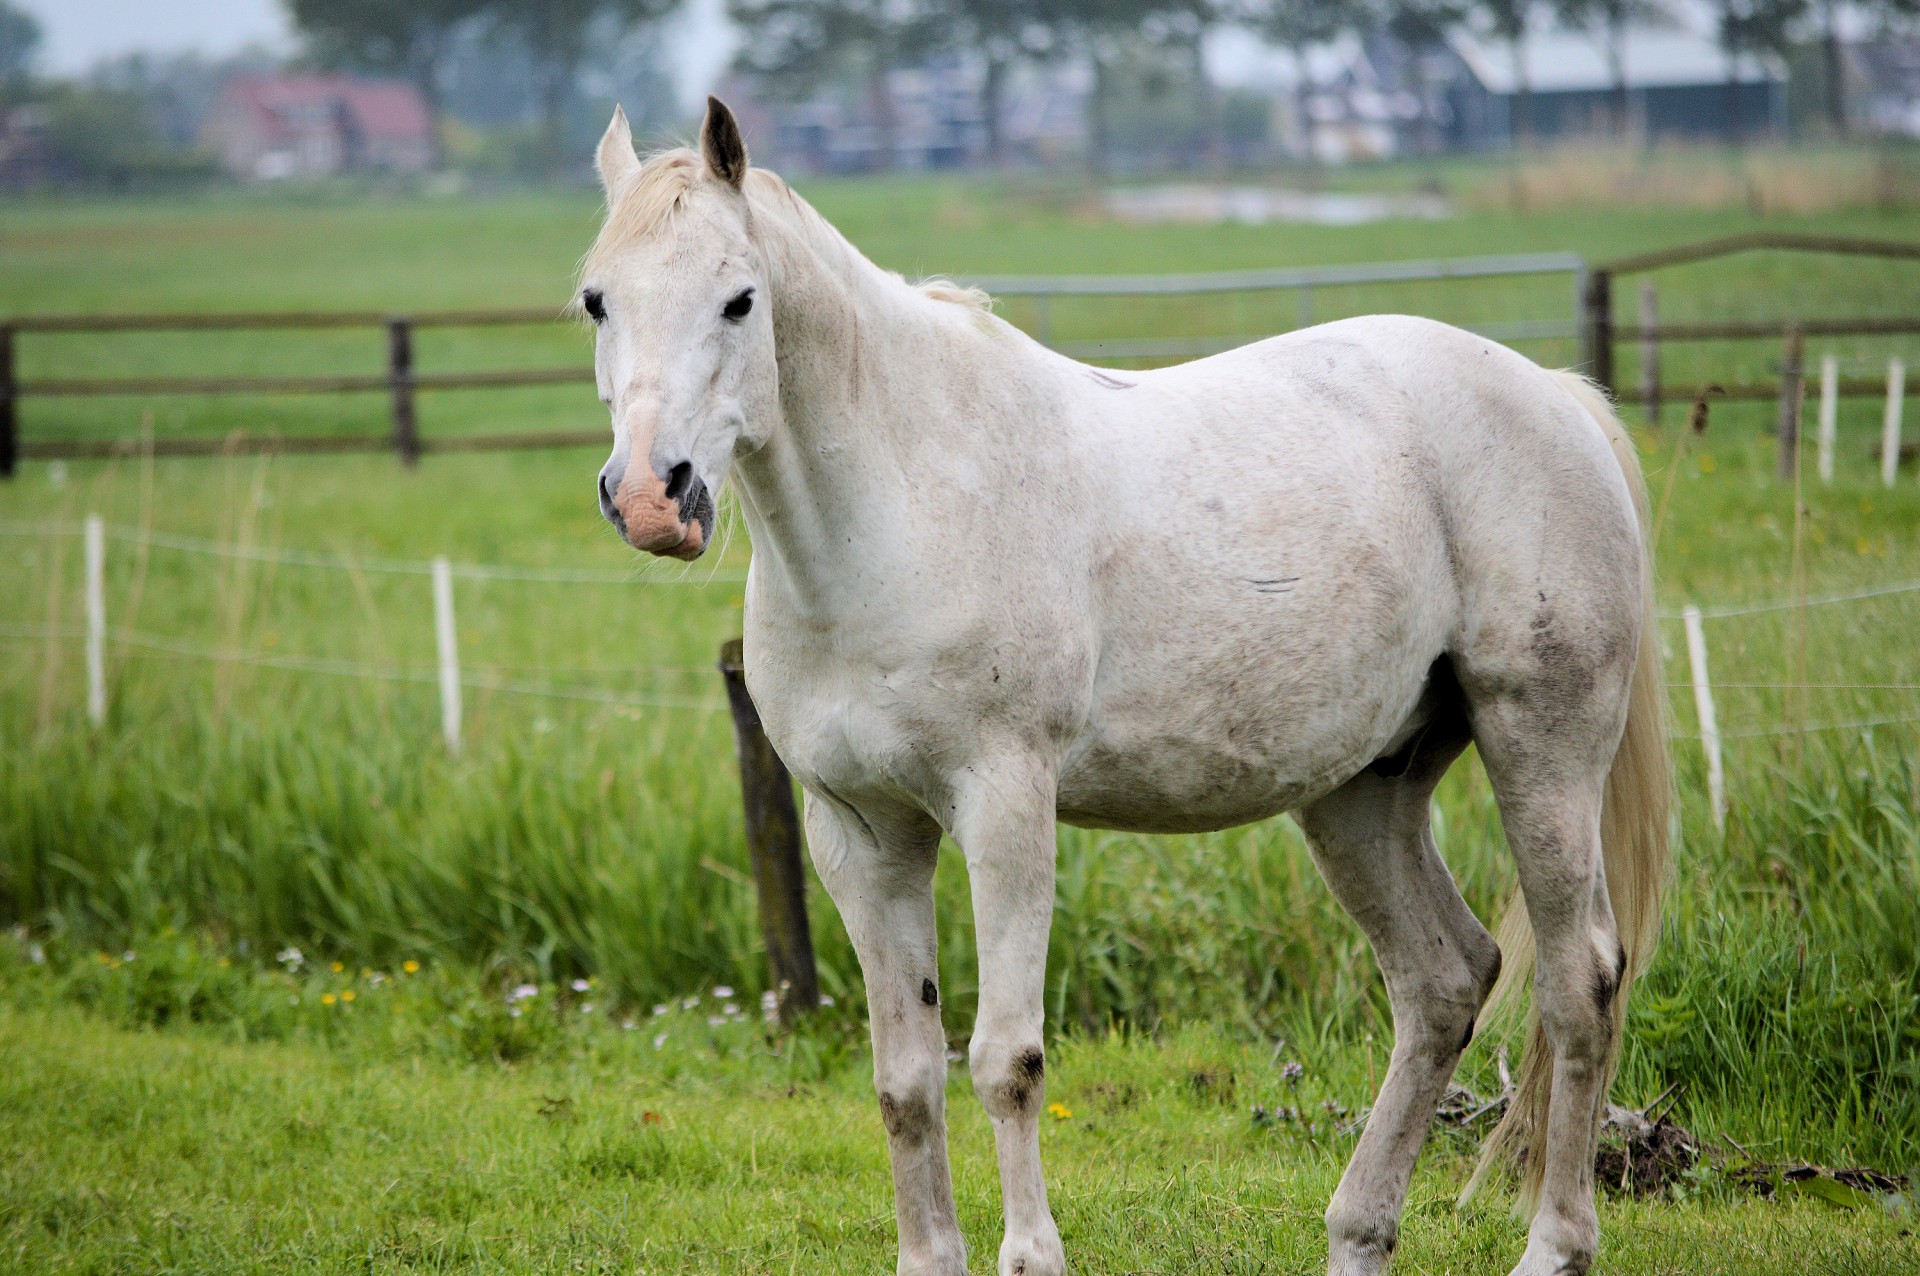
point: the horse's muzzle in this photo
(671, 517)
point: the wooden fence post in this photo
(1650, 351)
(773, 842)
(1792, 377)
(406, 434)
(1829, 412)
(9, 420)
(1598, 336)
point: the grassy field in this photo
(249, 793)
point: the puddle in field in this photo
(1256, 205)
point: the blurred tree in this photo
(1421, 27)
(559, 35)
(411, 40)
(1100, 30)
(1746, 27)
(1607, 21)
(1298, 26)
(19, 41)
(1002, 34)
(1831, 69)
(1511, 21)
(797, 47)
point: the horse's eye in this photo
(595, 308)
(736, 309)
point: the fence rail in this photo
(402, 381)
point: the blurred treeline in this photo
(520, 88)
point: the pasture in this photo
(271, 778)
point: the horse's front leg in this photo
(1004, 822)
(878, 867)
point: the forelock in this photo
(645, 203)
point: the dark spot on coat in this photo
(1605, 984)
(929, 995)
(910, 1117)
(1028, 1069)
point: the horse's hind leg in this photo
(1549, 779)
(1373, 844)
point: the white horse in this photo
(993, 588)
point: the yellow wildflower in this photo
(1059, 1111)
(347, 995)
(337, 967)
(411, 966)
(327, 999)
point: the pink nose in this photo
(672, 517)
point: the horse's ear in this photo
(720, 142)
(616, 159)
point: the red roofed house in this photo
(272, 126)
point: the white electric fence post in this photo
(1890, 430)
(96, 620)
(1829, 412)
(449, 654)
(1703, 706)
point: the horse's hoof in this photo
(1553, 1260)
(1033, 1256)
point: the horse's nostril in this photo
(606, 497)
(678, 478)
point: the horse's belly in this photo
(1232, 765)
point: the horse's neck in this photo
(854, 345)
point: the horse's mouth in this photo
(697, 511)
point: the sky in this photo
(79, 33)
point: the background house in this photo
(1679, 87)
(265, 127)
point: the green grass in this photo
(231, 808)
(714, 1150)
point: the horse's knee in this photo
(910, 1103)
(1009, 1077)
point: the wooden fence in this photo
(1601, 335)
(401, 382)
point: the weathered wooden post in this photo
(1650, 351)
(1787, 430)
(406, 434)
(9, 422)
(773, 842)
(1598, 337)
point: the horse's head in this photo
(683, 351)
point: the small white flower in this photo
(581, 985)
(513, 1012)
(659, 1041)
(127, 956)
(658, 1011)
(523, 992)
(722, 992)
(586, 1007)
(689, 1003)
(825, 999)
(37, 955)
(289, 957)
(714, 1021)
